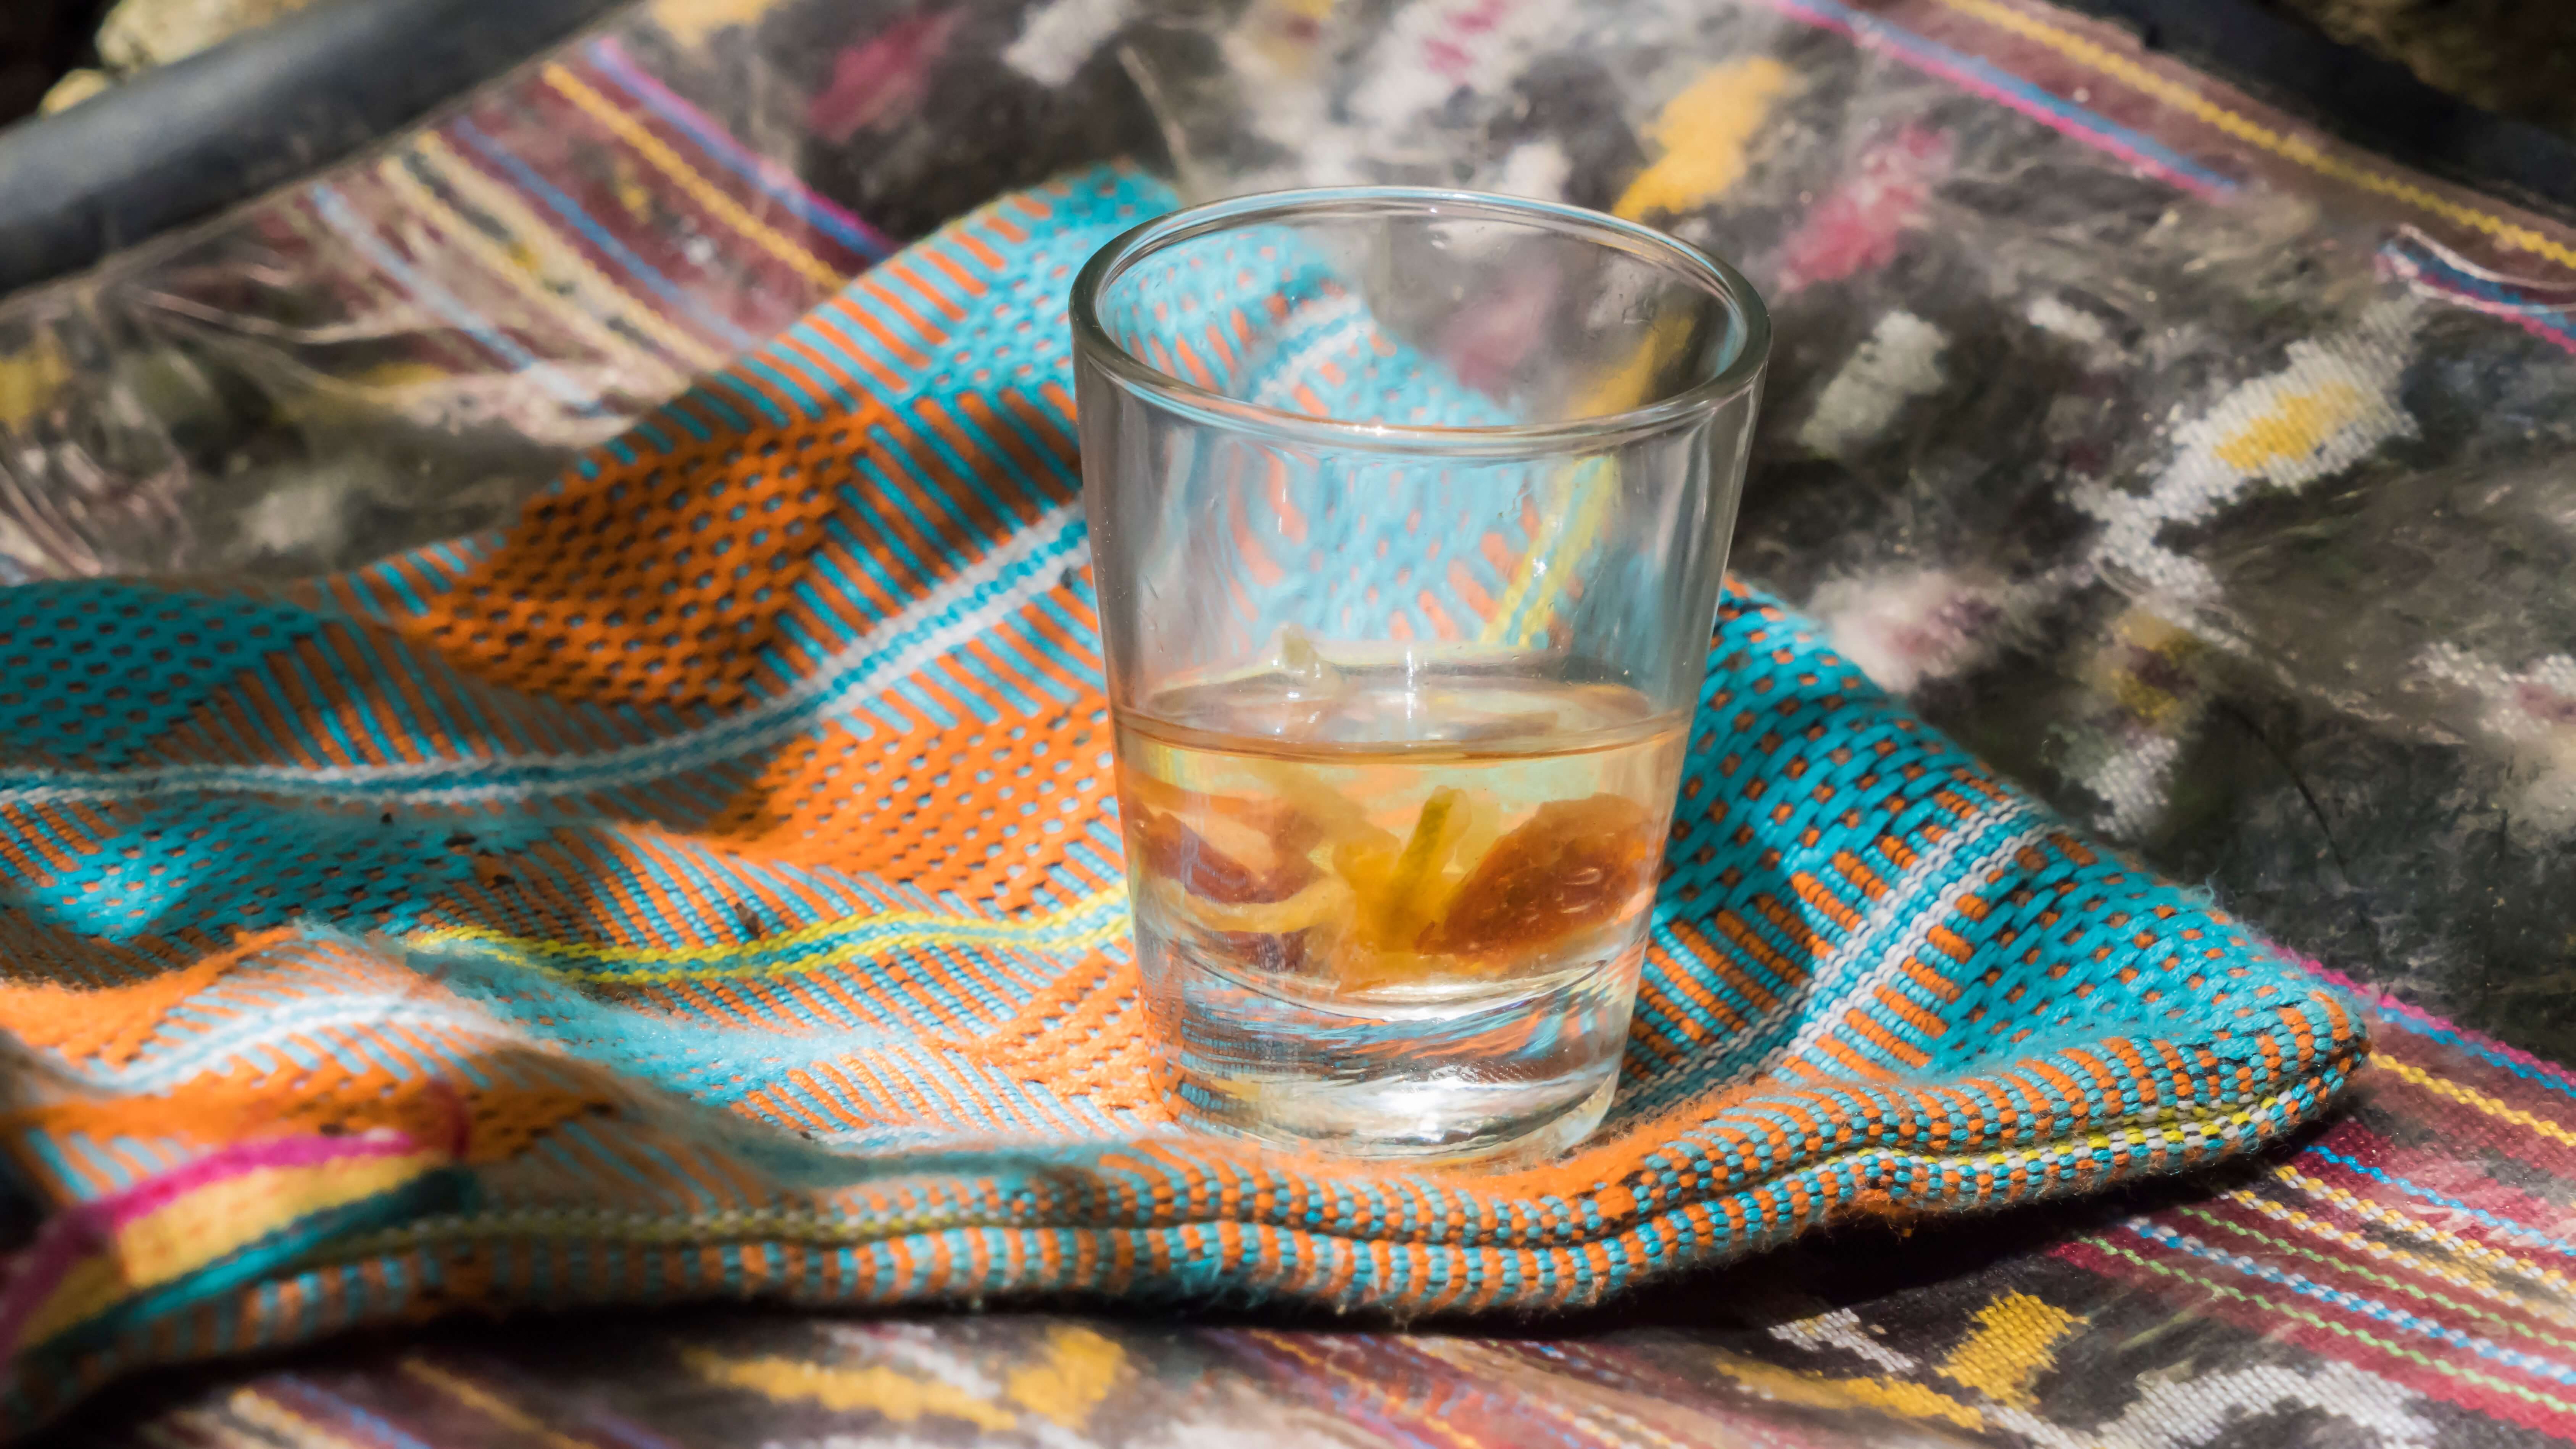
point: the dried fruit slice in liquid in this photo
(1573, 865)
(1231, 849)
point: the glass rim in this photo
(1743, 305)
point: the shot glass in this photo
(1409, 511)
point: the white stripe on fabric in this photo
(1897, 924)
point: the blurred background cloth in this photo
(2508, 58)
(2210, 474)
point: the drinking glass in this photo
(1409, 511)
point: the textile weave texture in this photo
(2393, 1281)
(710, 886)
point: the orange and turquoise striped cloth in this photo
(709, 887)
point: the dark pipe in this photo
(181, 143)
(2373, 103)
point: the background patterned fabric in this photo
(395, 353)
(2357, 748)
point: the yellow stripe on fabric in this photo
(875, 1388)
(1900, 1397)
(490, 1405)
(2493, 1107)
(668, 162)
(282, 1424)
(1079, 1370)
(1530, 599)
(1590, 487)
(2382, 1280)
(521, 269)
(2343, 1238)
(2297, 149)
(1599, 1423)
(29, 378)
(2288, 1311)
(1706, 134)
(2295, 428)
(2416, 1227)
(2015, 1341)
(1086, 923)
(694, 22)
(196, 1228)
(548, 250)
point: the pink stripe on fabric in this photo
(2386, 1005)
(86, 1228)
(628, 73)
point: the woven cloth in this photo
(709, 886)
(2393, 1282)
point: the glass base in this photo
(1510, 1070)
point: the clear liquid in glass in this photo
(1395, 912)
